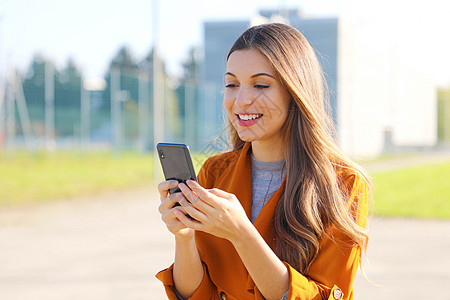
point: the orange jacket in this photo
(330, 275)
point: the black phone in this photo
(176, 163)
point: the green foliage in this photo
(127, 65)
(67, 95)
(421, 192)
(67, 84)
(68, 87)
(188, 95)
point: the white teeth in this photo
(249, 117)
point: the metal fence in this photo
(118, 117)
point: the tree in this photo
(67, 83)
(67, 94)
(189, 80)
(190, 67)
(188, 97)
(34, 83)
(68, 86)
(127, 66)
(123, 60)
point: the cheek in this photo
(286, 103)
(228, 103)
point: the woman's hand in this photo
(169, 211)
(213, 211)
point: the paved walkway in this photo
(110, 247)
(402, 161)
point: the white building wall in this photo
(415, 115)
(362, 96)
(375, 94)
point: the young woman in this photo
(283, 215)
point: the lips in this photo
(248, 119)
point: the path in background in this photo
(110, 247)
(408, 258)
(402, 161)
(105, 247)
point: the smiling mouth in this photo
(247, 117)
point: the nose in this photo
(244, 97)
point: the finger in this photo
(169, 215)
(165, 186)
(168, 203)
(188, 222)
(220, 193)
(188, 193)
(203, 194)
(173, 223)
(190, 210)
(195, 201)
(176, 226)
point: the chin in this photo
(247, 137)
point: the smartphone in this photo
(176, 163)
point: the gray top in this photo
(267, 177)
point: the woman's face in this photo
(256, 101)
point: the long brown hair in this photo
(314, 197)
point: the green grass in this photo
(421, 192)
(33, 177)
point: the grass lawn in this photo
(33, 177)
(420, 192)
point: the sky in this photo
(91, 31)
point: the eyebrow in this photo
(253, 76)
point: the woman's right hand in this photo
(167, 209)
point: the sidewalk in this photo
(408, 258)
(111, 246)
(106, 247)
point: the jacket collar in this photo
(241, 186)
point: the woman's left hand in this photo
(213, 211)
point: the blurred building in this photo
(378, 104)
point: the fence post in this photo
(115, 109)
(50, 142)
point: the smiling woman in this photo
(256, 101)
(282, 215)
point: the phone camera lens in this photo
(161, 154)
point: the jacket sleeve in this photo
(332, 273)
(206, 289)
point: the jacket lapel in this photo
(240, 184)
(264, 220)
(240, 181)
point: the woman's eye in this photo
(261, 86)
(231, 85)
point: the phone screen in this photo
(176, 163)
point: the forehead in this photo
(248, 61)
